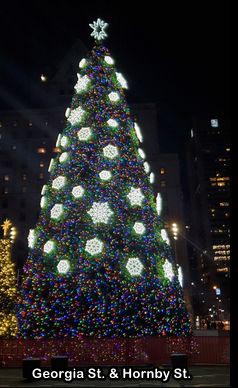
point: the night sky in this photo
(175, 54)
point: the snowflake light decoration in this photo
(134, 266)
(146, 167)
(168, 270)
(84, 134)
(138, 132)
(94, 246)
(31, 238)
(63, 157)
(78, 191)
(109, 60)
(110, 151)
(76, 116)
(114, 96)
(141, 153)
(122, 81)
(98, 28)
(59, 182)
(152, 177)
(164, 236)
(112, 123)
(180, 276)
(82, 63)
(139, 227)
(63, 266)
(67, 112)
(135, 196)
(100, 212)
(58, 140)
(49, 246)
(158, 203)
(43, 202)
(82, 83)
(105, 175)
(52, 162)
(64, 141)
(56, 211)
(44, 188)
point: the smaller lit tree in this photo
(8, 290)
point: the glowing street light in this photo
(175, 230)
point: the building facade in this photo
(208, 165)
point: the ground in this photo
(203, 376)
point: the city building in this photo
(208, 210)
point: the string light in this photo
(168, 270)
(114, 96)
(63, 157)
(82, 83)
(31, 238)
(122, 81)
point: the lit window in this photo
(224, 204)
(5, 190)
(162, 171)
(42, 164)
(41, 150)
(41, 175)
(24, 177)
(6, 178)
(30, 124)
(14, 147)
(214, 123)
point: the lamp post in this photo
(175, 231)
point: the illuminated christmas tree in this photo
(8, 290)
(100, 263)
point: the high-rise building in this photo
(208, 229)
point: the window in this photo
(42, 164)
(41, 175)
(30, 124)
(5, 190)
(41, 150)
(162, 171)
(24, 177)
(6, 178)
(214, 123)
(14, 147)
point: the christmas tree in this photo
(100, 263)
(8, 290)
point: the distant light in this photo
(192, 134)
(214, 123)
(43, 78)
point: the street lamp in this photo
(175, 231)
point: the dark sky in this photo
(171, 52)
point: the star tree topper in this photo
(98, 28)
